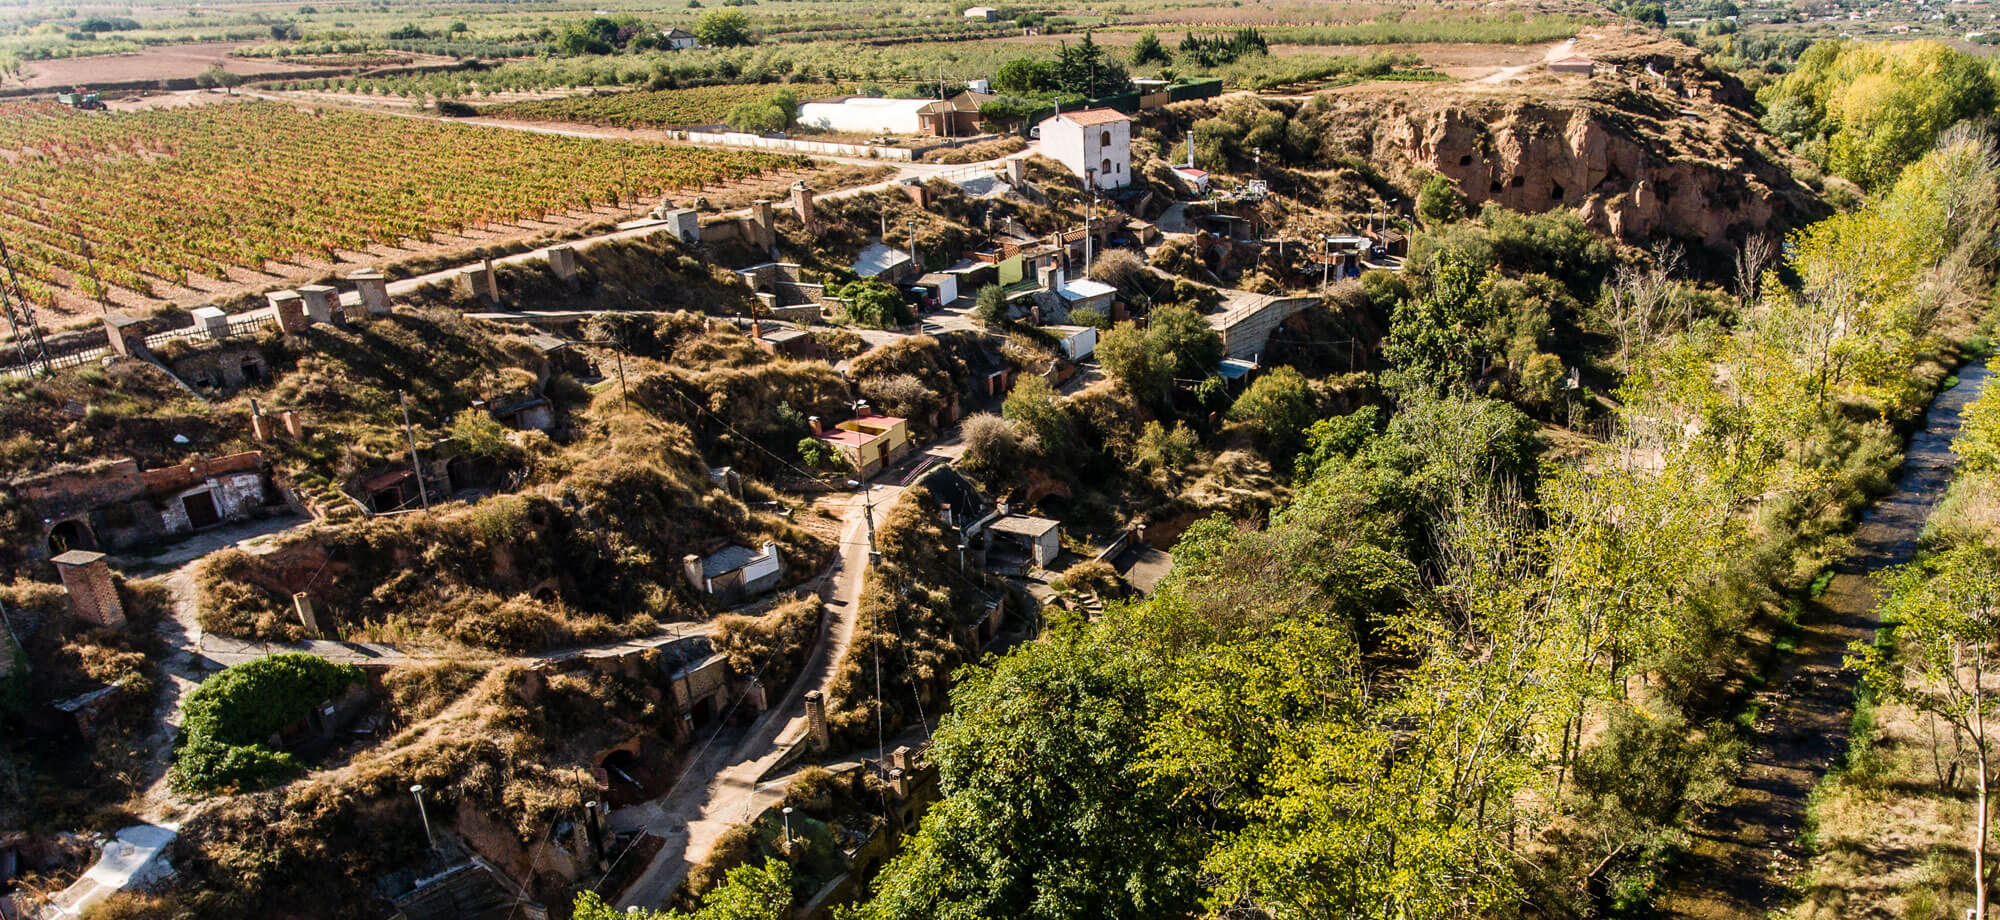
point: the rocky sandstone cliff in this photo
(1652, 146)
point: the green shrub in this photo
(228, 719)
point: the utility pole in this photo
(868, 506)
(914, 261)
(416, 461)
(1088, 210)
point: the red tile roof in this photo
(849, 438)
(1089, 117)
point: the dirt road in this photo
(723, 786)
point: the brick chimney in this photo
(373, 290)
(802, 203)
(822, 738)
(291, 310)
(260, 426)
(320, 302)
(92, 596)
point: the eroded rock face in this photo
(1639, 164)
(1629, 171)
(1652, 145)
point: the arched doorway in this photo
(69, 535)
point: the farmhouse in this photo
(954, 117)
(982, 14)
(864, 115)
(679, 40)
(1096, 145)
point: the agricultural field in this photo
(157, 203)
(674, 108)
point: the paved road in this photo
(721, 788)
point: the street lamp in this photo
(788, 829)
(417, 791)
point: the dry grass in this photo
(514, 747)
(774, 644)
(1891, 842)
(977, 153)
(49, 778)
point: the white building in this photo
(680, 40)
(1096, 145)
(982, 14)
(864, 115)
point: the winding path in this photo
(723, 786)
(1746, 853)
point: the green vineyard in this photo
(673, 108)
(138, 199)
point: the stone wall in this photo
(1247, 323)
(794, 145)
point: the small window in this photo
(1107, 168)
(1107, 137)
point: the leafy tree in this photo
(1439, 202)
(1150, 51)
(1279, 405)
(217, 78)
(1865, 110)
(767, 116)
(817, 454)
(1177, 344)
(1433, 338)
(1978, 442)
(1336, 438)
(1943, 614)
(229, 718)
(478, 434)
(1651, 14)
(1047, 814)
(1037, 407)
(1083, 69)
(746, 893)
(1163, 451)
(990, 305)
(875, 303)
(723, 29)
(596, 35)
(1025, 77)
